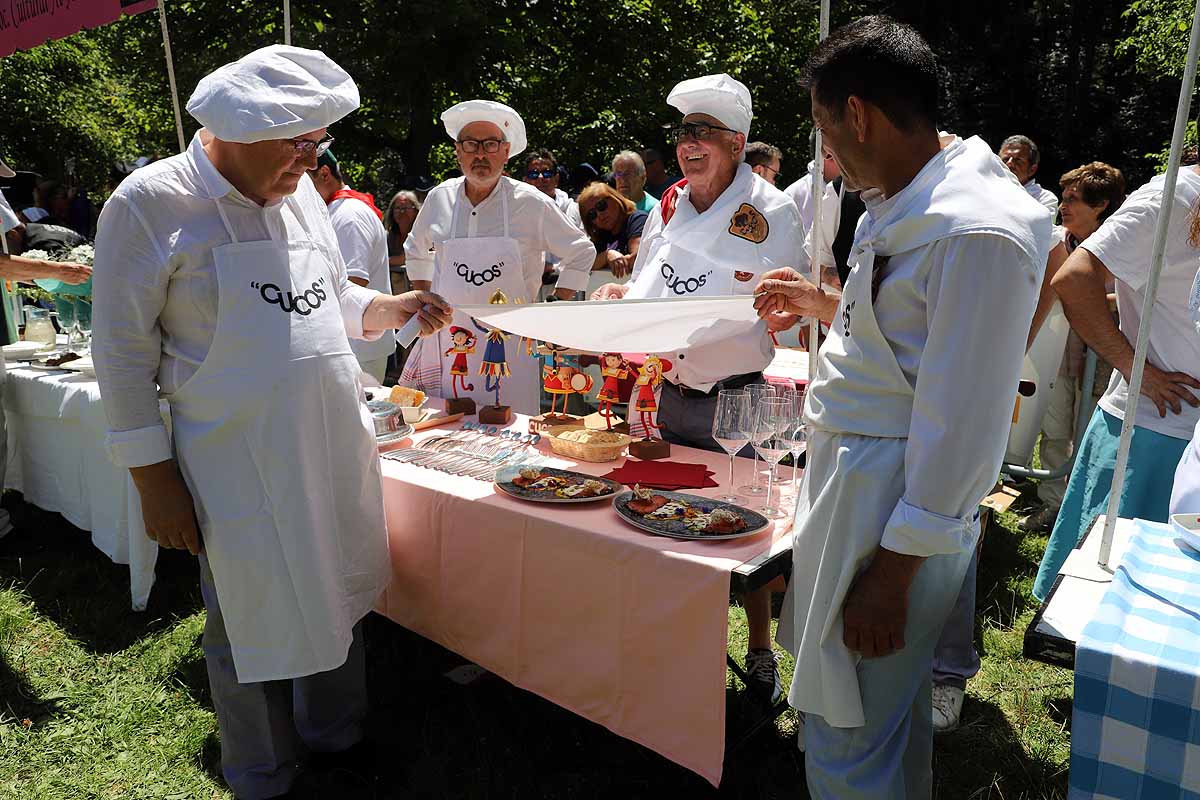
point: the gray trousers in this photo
(954, 659)
(268, 728)
(689, 420)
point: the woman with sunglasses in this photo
(614, 225)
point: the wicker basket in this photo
(582, 451)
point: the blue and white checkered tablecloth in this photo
(1136, 726)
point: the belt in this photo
(734, 382)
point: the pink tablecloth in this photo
(622, 627)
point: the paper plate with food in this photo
(550, 485)
(687, 516)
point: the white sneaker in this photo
(762, 670)
(947, 707)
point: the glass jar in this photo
(39, 328)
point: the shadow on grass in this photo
(985, 759)
(19, 704)
(81, 590)
(1060, 710)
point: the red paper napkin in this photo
(665, 475)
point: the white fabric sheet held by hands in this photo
(626, 326)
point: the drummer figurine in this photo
(562, 379)
(650, 377)
(614, 369)
(494, 367)
(462, 342)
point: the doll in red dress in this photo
(614, 369)
(462, 342)
(649, 377)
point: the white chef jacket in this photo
(702, 367)
(945, 307)
(1123, 243)
(538, 225)
(1043, 196)
(362, 241)
(155, 285)
(568, 207)
(8, 217)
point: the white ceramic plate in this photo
(83, 365)
(18, 350)
(1188, 528)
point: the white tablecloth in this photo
(57, 459)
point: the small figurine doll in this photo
(650, 376)
(562, 377)
(494, 366)
(614, 369)
(462, 342)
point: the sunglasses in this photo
(695, 130)
(600, 208)
(474, 145)
(404, 207)
(305, 147)
(546, 174)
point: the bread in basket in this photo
(582, 444)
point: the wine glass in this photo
(731, 428)
(770, 417)
(757, 392)
(796, 433)
(65, 306)
(83, 319)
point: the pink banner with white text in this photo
(24, 24)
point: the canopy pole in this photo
(287, 22)
(1156, 264)
(818, 190)
(162, 17)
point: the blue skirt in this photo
(1146, 493)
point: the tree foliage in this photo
(1089, 80)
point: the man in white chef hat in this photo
(910, 411)
(483, 233)
(715, 236)
(219, 280)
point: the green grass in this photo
(99, 702)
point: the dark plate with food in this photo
(687, 516)
(550, 485)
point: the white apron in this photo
(280, 457)
(851, 487)
(469, 271)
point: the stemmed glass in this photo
(83, 319)
(796, 433)
(65, 306)
(770, 418)
(757, 392)
(731, 428)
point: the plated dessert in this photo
(550, 485)
(686, 516)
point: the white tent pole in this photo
(162, 17)
(818, 194)
(287, 22)
(1156, 264)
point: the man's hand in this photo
(777, 322)
(431, 309)
(1168, 389)
(610, 291)
(565, 294)
(167, 507)
(786, 291)
(70, 272)
(621, 266)
(876, 607)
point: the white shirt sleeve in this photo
(979, 303)
(354, 300)
(418, 247)
(1124, 241)
(570, 244)
(354, 231)
(129, 289)
(8, 217)
(653, 228)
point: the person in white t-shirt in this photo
(1022, 157)
(1168, 413)
(358, 223)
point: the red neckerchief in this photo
(366, 198)
(669, 199)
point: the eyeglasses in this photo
(695, 130)
(626, 174)
(473, 145)
(778, 173)
(404, 207)
(533, 174)
(601, 207)
(305, 147)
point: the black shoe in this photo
(349, 773)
